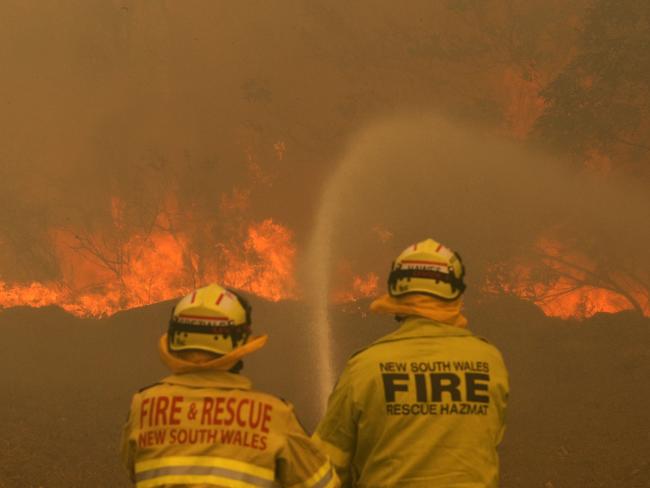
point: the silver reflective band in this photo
(203, 471)
(324, 480)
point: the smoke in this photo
(482, 195)
(118, 100)
(165, 106)
(419, 176)
(140, 100)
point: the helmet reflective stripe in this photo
(209, 329)
(201, 470)
(193, 319)
(425, 263)
(430, 268)
(320, 479)
(211, 319)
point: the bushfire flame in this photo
(566, 284)
(98, 281)
(100, 276)
(359, 287)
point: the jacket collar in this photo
(421, 327)
(210, 378)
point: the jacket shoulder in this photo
(286, 409)
(145, 388)
(360, 351)
(488, 348)
(358, 360)
(484, 342)
(271, 398)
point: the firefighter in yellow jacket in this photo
(203, 426)
(424, 406)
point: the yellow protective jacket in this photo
(208, 428)
(422, 407)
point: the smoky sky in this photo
(491, 199)
(142, 100)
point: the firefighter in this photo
(203, 425)
(423, 406)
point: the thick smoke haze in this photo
(145, 144)
(414, 176)
(140, 100)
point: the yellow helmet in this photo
(212, 319)
(427, 267)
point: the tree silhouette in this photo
(601, 101)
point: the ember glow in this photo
(265, 264)
(565, 302)
(567, 285)
(359, 287)
(102, 274)
(111, 269)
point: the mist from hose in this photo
(320, 262)
(421, 175)
(366, 177)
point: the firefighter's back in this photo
(429, 402)
(210, 429)
(423, 406)
(204, 425)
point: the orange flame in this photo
(566, 285)
(32, 294)
(581, 303)
(125, 264)
(360, 287)
(100, 276)
(265, 264)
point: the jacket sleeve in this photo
(336, 434)
(128, 446)
(300, 464)
(504, 391)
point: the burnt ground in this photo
(578, 413)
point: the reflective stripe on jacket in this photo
(208, 428)
(421, 407)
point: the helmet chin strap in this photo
(222, 363)
(237, 333)
(396, 275)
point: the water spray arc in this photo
(320, 258)
(321, 263)
(424, 175)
